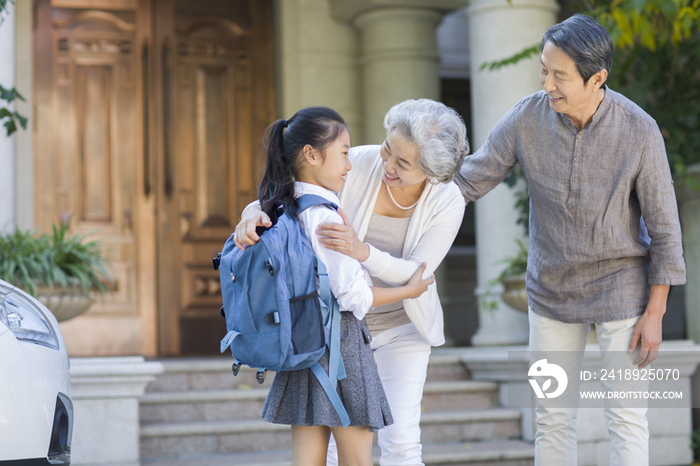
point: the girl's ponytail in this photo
(285, 139)
(277, 185)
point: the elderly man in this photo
(595, 163)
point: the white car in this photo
(36, 412)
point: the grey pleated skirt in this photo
(297, 398)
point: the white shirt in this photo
(432, 229)
(347, 279)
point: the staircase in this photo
(197, 413)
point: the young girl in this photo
(308, 154)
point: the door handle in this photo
(167, 117)
(145, 59)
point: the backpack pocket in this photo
(307, 324)
(258, 349)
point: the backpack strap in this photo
(310, 200)
(325, 382)
(228, 339)
(336, 368)
(331, 319)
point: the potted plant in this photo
(60, 270)
(512, 279)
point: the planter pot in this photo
(515, 294)
(64, 304)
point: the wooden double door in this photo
(150, 115)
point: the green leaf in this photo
(10, 94)
(22, 120)
(513, 59)
(11, 126)
(646, 33)
(670, 9)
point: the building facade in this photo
(146, 118)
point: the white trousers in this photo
(555, 440)
(402, 357)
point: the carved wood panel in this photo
(85, 140)
(95, 156)
(209, 150)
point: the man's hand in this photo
(245, 231)
(647, 332)
(342, 239)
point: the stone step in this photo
(446, 364)
(491, 453)
(214, 372)
(216, 405)
(470, 425)
(208, 373)
(176, 439)
(202, 405)
(448, 394)
(172, 440)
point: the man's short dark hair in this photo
(585, 41)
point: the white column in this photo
(399, 61)
(7, 147)
(689, 204)
(398, 54)
(317, 62)
(24, 160)
(498, 29)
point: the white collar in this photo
(301, 188)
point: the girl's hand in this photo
(245, 231)
(342, 239)
(417, 285)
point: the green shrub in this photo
(56, 260)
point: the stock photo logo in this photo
(542, 368)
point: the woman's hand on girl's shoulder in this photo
(342, 238)
(417, 285)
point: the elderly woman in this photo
(402, 210)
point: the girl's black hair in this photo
(316, 126)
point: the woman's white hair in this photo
(438, 133)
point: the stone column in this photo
(24, 79)
(398, 57)
(399, 61)
(317, 62)
(689, 211)
(7, 146)
(498, 29)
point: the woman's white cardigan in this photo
(431, 231)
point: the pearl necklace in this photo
(391, 196)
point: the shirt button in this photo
(578, 136)
(575, 159)
(573, 180)
(571, 205)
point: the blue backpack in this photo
(276, 316)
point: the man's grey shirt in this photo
(588, 189)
